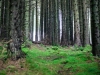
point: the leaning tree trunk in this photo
(15, 33)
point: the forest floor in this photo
(51, 60)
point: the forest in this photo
(49, 37)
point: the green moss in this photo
(51, 61)
(3, 72)
(11, 68)
(54, 48)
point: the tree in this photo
(85, 24)
(15, 33)
(64, 34)
(95, 25)
(4, 18)
(36, 36)
(41, 20)
(77, 25)
(71, 22)
(27, 20)
(81, 14)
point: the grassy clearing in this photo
(52, 60)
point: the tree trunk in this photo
(85, 24)
(95, 27)
(77, 25)
(15, 33)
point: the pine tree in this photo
(95, 27)
(77, 25)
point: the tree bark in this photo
(95, 25)
(15, 33)
(77, 25)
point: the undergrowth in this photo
(60, 61)
(56, 60)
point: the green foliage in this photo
(3, 72)
(11, 68)
(54, 60)
(27, 41)
(54, 48)
(86, 48)
(27, 44)
(79, 48)
(3, 53)
(1, 48)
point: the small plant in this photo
(87, 48)
(27, 44)
(41, 44)
(2, 72)
(1, 48)
(55, 48)
(81, 48)
(78, 48)
(11, 68)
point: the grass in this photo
(53, 60)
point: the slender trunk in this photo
(77, 25)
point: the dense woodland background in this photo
(50, 22)
(49, 37)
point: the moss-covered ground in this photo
(52, 60)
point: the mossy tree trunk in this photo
(15, 33)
